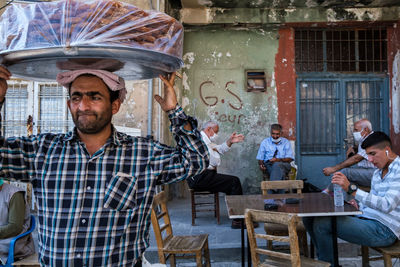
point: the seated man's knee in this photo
(236, 186)
(280, 164)
(322, 225)
(345, 171)
(236, 182)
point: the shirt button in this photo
(83, 221)
(88, 188)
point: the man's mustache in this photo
(83, 113)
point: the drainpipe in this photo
(159, 93)
(149, 109)
(150, 98)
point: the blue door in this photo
(326, 111)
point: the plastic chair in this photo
(10, 258)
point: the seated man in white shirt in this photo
(210, 179)
(379, 225)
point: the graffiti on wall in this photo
(231, 99)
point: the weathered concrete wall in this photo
(213, 88)
(394, 71)
(134, 111)
(289, 15)
(219, 46)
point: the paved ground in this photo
(225, 243)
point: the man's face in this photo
(210, 131)
(358, 128)
(275, 134)
(90, 104)
(378, 156)
(215, 129)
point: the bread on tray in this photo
(72, 23)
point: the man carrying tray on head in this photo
(95, 185)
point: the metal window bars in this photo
(341, 50)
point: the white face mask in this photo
(357, 136)
(276, 140)
(214, 137)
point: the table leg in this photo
(334, 242)
(248, 252)
(242, 239)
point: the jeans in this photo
(357, 175)
(277, 171)
(357, 230)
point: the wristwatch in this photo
(352, 188)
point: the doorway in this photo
(326, 110)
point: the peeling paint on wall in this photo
(273, 80)
(205, 2)
(331, 15)
(366, 13)
(185, 82)
(188, 59)
(311, 3)
(198, 15)
(356, 14)
(185, 102)
(396, 93)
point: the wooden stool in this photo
(196, 207)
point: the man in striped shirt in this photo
(95, 186)
(379, 225)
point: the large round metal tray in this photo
(129, 63)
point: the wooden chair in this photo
(170, 246)
(388, 253)
(201, 202)
(276, 258)
(278, 229)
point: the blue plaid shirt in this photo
(95, 210)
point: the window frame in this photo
(34, 105)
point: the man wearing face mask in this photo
(357, 167)
(210, 180)
(275, 154)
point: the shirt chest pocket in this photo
(122, 193)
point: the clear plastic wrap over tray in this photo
(38, 40)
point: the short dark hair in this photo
(276, 127)
(114, 95)
(379, 139)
